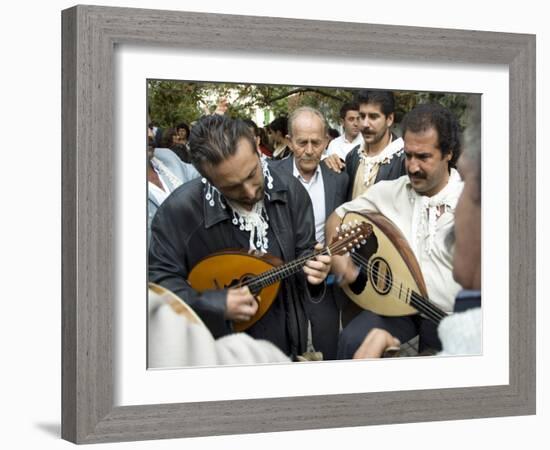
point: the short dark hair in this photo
(348, 106)
(279, 124)
(183, 125)
(214, 138)
(251, 124)
(384, 99)
(333, 133)
(264, 141)
(433, 115)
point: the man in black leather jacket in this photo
(240, 203)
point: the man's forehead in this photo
(428, 136)
(352, 113)
(303, 131)
(307, 123)
(370, 107)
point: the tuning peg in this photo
(363, 242)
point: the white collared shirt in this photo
(158, 194)
(341, 146)
(316, 190)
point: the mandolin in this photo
(395, 285)
(264, 273)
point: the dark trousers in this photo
(324, 316)
(403, 328)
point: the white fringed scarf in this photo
(384, 157)
(254, 221)
(426, 210)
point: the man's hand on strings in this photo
(345, 270)
(241, 304)
(317, 269)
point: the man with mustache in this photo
(421, 204)
(308, 139)
(239, 203)
(380, 157)
(460, 333)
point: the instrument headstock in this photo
(350, 236)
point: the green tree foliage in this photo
(171, 102)
(457, 103)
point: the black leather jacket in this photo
(186, 229)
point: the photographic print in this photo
(224, 250)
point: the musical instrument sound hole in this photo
(380, 276)
(246, 280)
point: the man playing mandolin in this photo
(421, 204)
(239, 204)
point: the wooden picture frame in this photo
(89, 36)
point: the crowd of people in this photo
(282, 192)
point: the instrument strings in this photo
(271, 275)
(433, 312)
